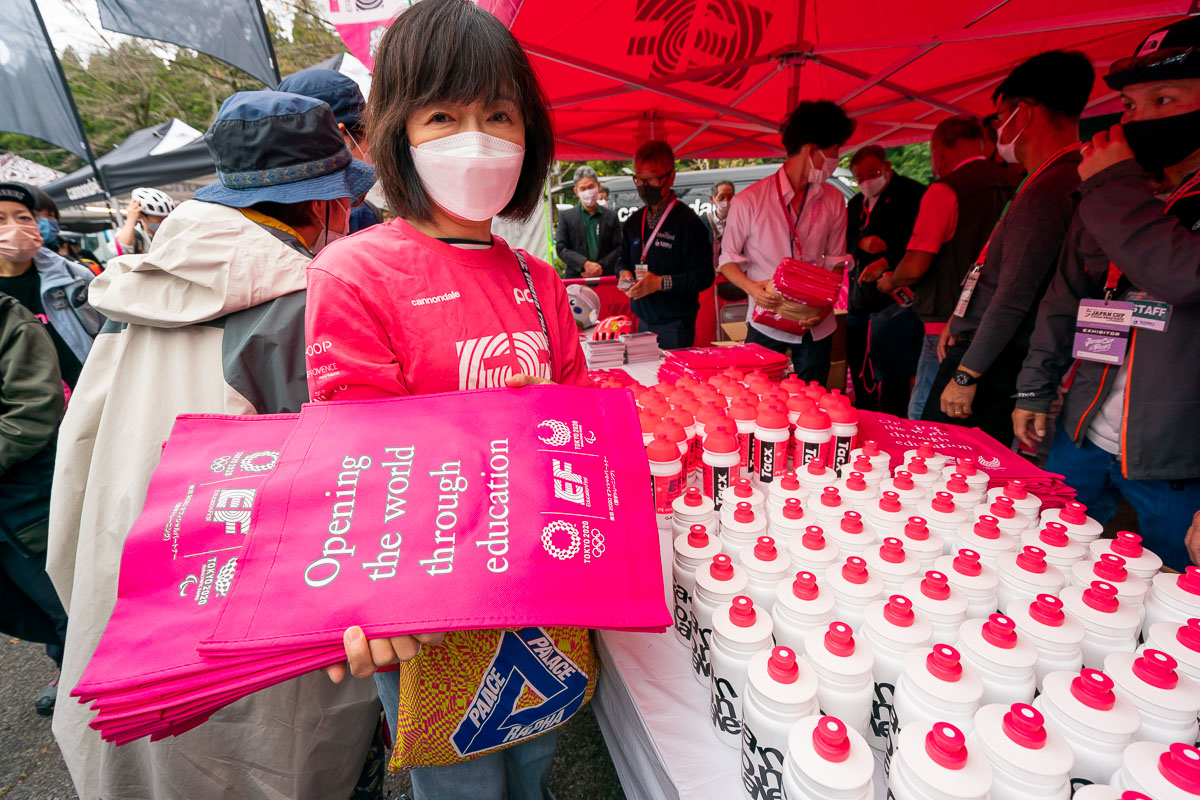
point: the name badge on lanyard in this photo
(968, 289)
(1148, 313)
(1102, 330)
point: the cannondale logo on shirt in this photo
(588, 541)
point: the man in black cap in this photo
(1124, 306)
(984, 344)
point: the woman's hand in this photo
(517, 381)
(364, 657)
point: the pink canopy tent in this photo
(715, 77)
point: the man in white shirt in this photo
(793, 213)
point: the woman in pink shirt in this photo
(432, 302)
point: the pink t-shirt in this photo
(391, 311)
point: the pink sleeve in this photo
(571, 364)
(936, 219)
(348, 353)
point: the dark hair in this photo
(716, 187)
(950, 131)
(44, 202)
(655, 151)
(819, 122)
(1058, 80)
(868, 151)
(451, 51)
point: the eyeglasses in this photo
(1166, 57)
(655, 180)
(875, 173)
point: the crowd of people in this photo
(968, 302)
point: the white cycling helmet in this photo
(154, 202)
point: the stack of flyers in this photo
(605, 354)
(641, 347)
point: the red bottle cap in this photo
(698, 536)
(744, 513)
(1128, 544)
(1054, 535)
(782, 667)
(765, 549)
(718, 441)
(1180, 765)
(814, 419)
(661, 450)
(1094, 689)
(648, 422)
(816, 466)
(1189, 581)
(1032, 559)
(863, 464)
(944, 663)
(870, 448)
(855, 570)
(966, 466)
(1000, 631)
(1048, 610)
(682, 418)
(889, 501)
(988, 527)
(899, 611)
(721, 568)
(935, 586)
(830, 497)
(947, 746)
(743, 412)
(813, 538)
(892, 550)
(673, 431)
(805, 586)
(831, 740)
(1189, 635)
(916, 466)
(742, 488)
(1002, 508)
(692, 497)
(1026, 726)
(856, 482)
(943, 503)
(799, 404)
(842, 414)
(741, 613)
(967, 563)
(1073, 513)
(1157, 669)
(852, 522)
(916, 529)
(925, 450)
(1016, 490)
(903, 480)
(839, 639)
(792, 509)
(789, 481)
(958, 484)
(1102, 597)
(1111, 568)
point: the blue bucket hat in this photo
(281, 148)
(341, 93)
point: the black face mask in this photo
(1164, 142)
(651, 195)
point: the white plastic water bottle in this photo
(892, 564)
(787, 487)
(922, 474)
(1004, 660)
(855, 490)
(739, 632)
(1128, 545)
(1131, 590)
(719, 465)
(800, 607)
(786, 522)
(944, 606)
(1023, 500)
(1165, 772)
(771, 439)
(815, 475)
(828, 506)
(985, 537)
(765, 566)
(923, 543)
(934, 460)
(1097, 723)
(944, 516)
(1108, 626)
(1168, 702)
(937, 685)
(812, 551)
(977, 582)
(826, 760)
(844, 427)
(871, 473)
(692, 550)
(1031, 760)
(893, 629)
(854, 588)
(1010, 520)
(848, 533)
(908, 490)
(780, 692)
(871, 451)
(716, 584)
(814, 437)
(932, 762)
(742, 491)
(976, 478)
(884, 516)
(1061, 550)
(1174, 598)
(1181, 642)
(740, 528)
(965, 495)
(1025, 574)
(1057, 636)
(1074, 519)
(693, 508)
(843, 665)
(666, 477)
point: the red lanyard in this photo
(787, 215)
(654, 235)
(1114, 272)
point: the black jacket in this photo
(570, 241)
(891, 219)
(1121, 221)
(682, 250)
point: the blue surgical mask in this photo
(48, 228)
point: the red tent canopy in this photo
(715, 77)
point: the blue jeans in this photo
(927, 370)
(520, 772)
(1164, 508)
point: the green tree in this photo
(912, 161)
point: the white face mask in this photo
(471, 175)
(603, 202)
(1008, 151)
(825, 172)
(589, 197)
(873, 187)
(722, 208)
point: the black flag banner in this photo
(235, 31)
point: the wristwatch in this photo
(964, 378)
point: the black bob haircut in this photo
(819, 122)
(1058, 80)
(451, 51)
